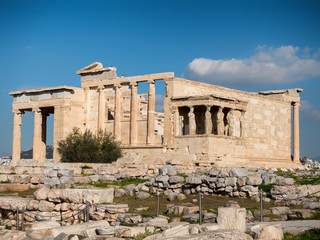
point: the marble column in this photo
(177, 123)
(37, 134)
(208, 122)
(87, 106)
(102, 103)
(43, 142)
(296, 150)
(117, 112)
(61, 127)
(192, 121)
(16, 144)
(242, 123)
(134, 114)
(151, 107)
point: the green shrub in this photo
(89, 148)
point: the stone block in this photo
(41, 193)
(129, 232)
(167, 170)
(213, 172)
(45, 206)
(66, 180)
(280, 210)
(238, 172)
(176, 231)
(12, 234)
(72, 195)
(162, 178)
(103, 195)
(40, 230)
(194, 180)
(254, 180)
(3, 177)
(78, 228)
(19, 178)
(312, 205)
(176, 179)
(231, 181)
(263, 232)
(210, 218)
(232, 218)
(65, 173)
(156, 222)
(95, 178)
(143, 195)
(54, 195)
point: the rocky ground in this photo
(126, 207)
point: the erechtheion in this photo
(202, 124)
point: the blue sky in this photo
(247, 45)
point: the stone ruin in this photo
(202, 125)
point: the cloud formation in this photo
(267, 66)
(159, 103)
(308, 111)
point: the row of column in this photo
(221, 130)
(134, 112)
(221, 127)
(39, 135)
(60, 131)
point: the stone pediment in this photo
(96, 71)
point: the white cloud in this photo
(307, 110)
(266, 66)
(159, 103)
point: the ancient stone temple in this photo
(202, 124)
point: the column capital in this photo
(133, 84)
(117, 85)
(86, 88)
(296, 104)
(36, 110)
(17, 111)
(100, 88)
(151, 81)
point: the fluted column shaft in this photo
(16, 144)
(101, 117)
(296, 142)
(37, 134)
(151, 107)
(117, 112)
(134, 114)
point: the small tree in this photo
(88, 147)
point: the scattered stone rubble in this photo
(231, 225)
(55, 203)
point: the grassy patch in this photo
(122, 183)
(305, 181)
(311, 234)
(147, 233)
(266, 187)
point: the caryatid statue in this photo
(231, 122)
(220, 123)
